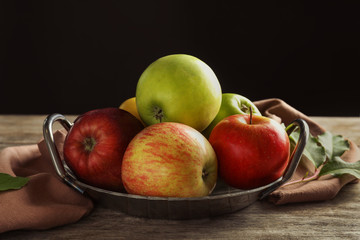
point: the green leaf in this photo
(325, 140)
(338, 167)
(326, 150)
(8, 182)
(334, 146)
(340, 145)
(313, 151)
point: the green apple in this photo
(178, 88)
(169, 160)
(231, 104)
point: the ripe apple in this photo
(129, 105)
(95, 145)
(178, 88)
(250, 153)
(232, 104)
(169, 160)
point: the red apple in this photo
(95, 145)
(250, 154)
(169, 160)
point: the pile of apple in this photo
(177, 136)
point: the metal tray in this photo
(224, 199)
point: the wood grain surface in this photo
(333, 219)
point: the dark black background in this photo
(74, 56)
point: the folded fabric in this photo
(324, 188)
(47, 202)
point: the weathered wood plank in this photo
(349, 127)
(334, 219)
(23, 129)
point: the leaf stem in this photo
(305, 179)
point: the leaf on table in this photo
(313, 151)
(338, 167)
(8, 182)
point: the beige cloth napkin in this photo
(46, 202)
(325, 187)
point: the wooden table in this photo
(333, 219)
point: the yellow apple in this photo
(129, 105)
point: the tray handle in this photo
(295, 155)
(54, 154)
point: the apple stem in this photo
(89, 144)
(250, 115)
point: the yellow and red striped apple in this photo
(169, 160)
